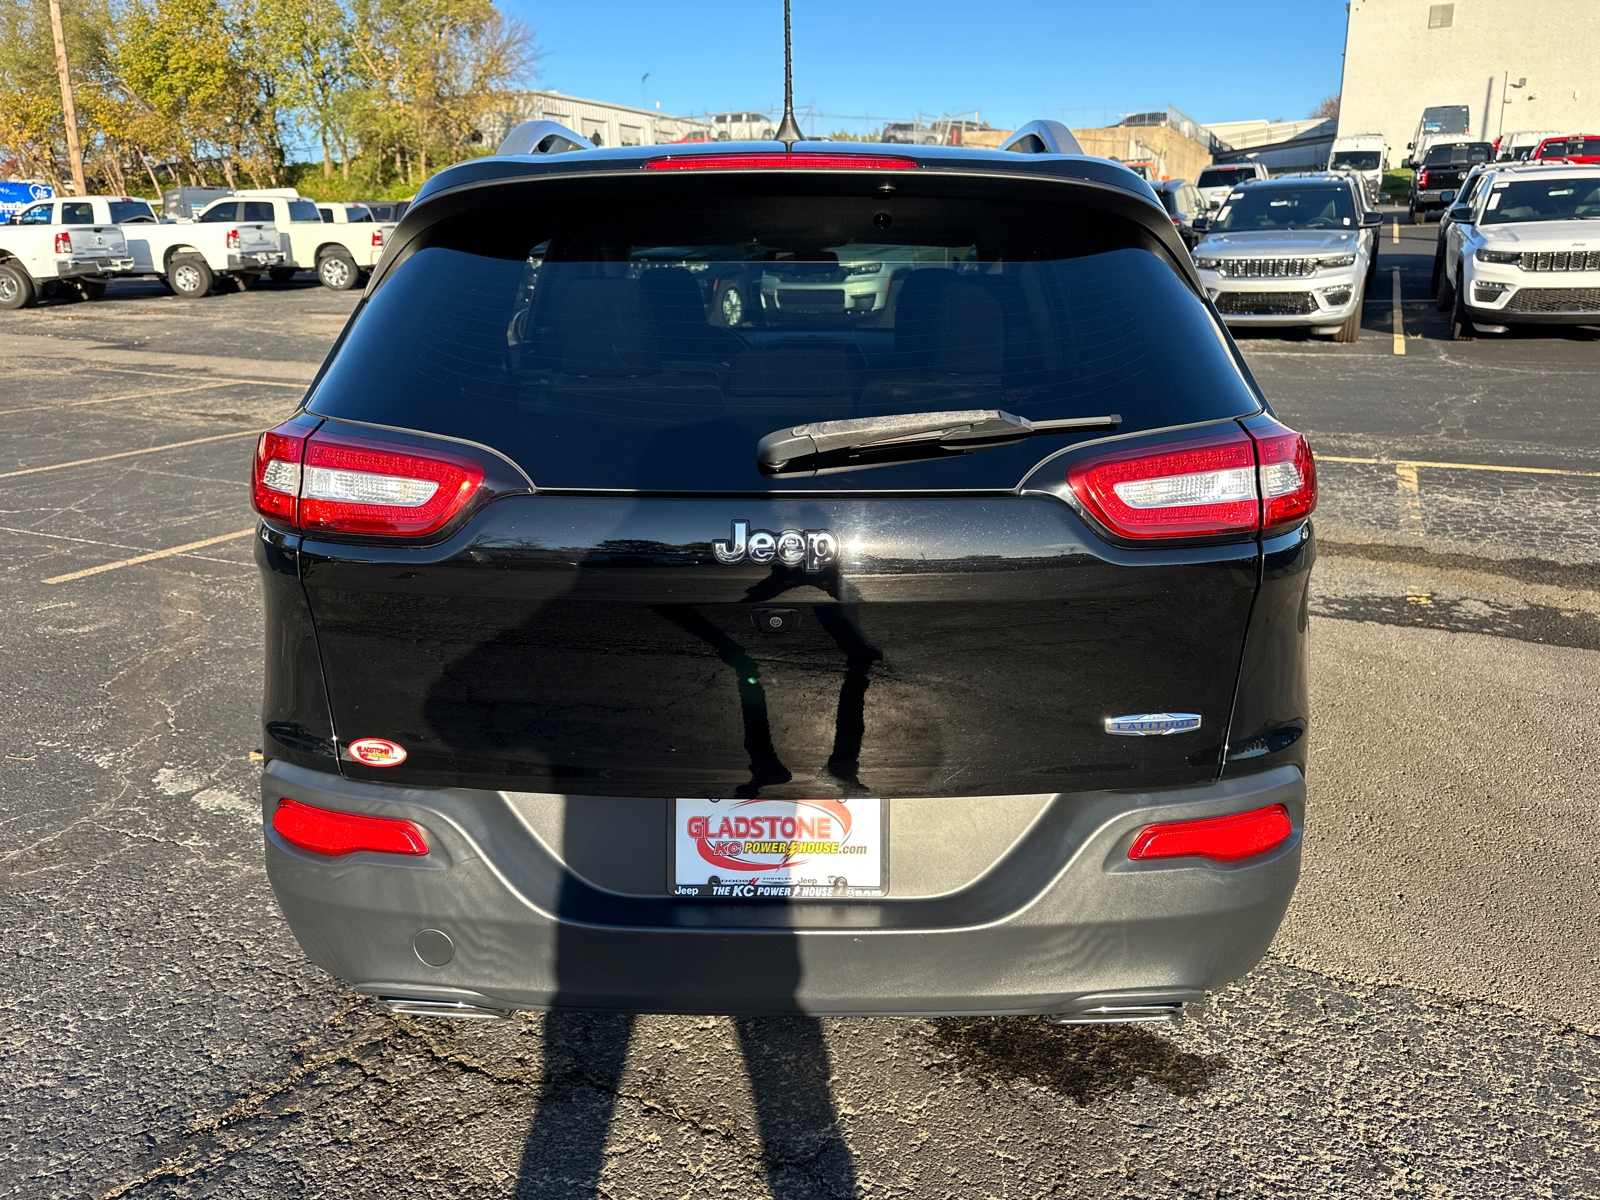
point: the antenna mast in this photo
(788, 130)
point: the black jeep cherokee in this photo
(930, 639)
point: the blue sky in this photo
(1217, 60)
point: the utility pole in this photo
(71, 115)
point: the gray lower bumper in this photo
(80, 268)
(258, 261)
(1061, 921)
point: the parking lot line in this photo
(1399, 329)
(1405, 482)
(1452, 466)
(6, 412)
(222, 379)
(151, 557)
(1396, 228)
(129, 453)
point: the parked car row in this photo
(72, 247)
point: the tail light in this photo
(63, 243)
(335, 483)
(377, 238)
(1235, 483)
(767, 162)
(233, 239)
(324, 831)
(1423, 182)
(1226, 839)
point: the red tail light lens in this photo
(1226, 839)
(63, 243)
(377, 237)
(768, 162)
(233, 239)
(275, 481)
(351, 485)
(1200, 489)
(335, 483)
(1235, 483)
(1288, 475)
(1423, 182)
(323, 831)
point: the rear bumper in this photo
(1060, 922)
(258, 260)
(79, 268)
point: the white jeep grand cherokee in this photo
(1292, 251)
(1525, 250)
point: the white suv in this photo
(1291, 251)
(1525, 251)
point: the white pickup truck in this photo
(341, 242)
(60, 247)
(192, 255)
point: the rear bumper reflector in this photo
(1226, 839)
(324, 831)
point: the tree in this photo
(1326, 108)
(433, 67)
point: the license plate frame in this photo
(702, 864)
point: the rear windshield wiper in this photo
(960, 431)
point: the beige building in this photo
(1173, 154)
(1517, 65)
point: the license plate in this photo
(778, 849)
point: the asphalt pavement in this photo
(1422, 1027)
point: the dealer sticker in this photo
(778, 849)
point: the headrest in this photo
(606, 328)
(971, 330)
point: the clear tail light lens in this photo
(63, 243)
(1235, 483)
(324, 831)
(335, 483)
(233, 239)
(1225, 839)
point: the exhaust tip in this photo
(1132, 1014)
(407, 1007)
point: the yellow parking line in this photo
(6, 412)
(1450, 466)
(1396, 228)
(1399, 328)
(81, 462)
(1405, 484)
(151, 557)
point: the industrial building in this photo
(1517, 64)
(602, 122)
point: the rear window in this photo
(1225, 176)
(651, 346)
(78, 213)
(131, 212)
(227, 211)
(1457, 153)
(304, 210)
(258, 210)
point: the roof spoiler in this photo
(543, 137)
(1042, 137)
